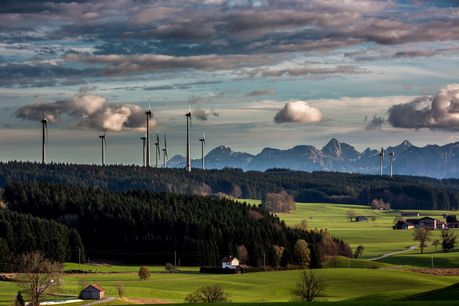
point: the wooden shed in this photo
(92, 292)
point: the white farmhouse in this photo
(230, 262)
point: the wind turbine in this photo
(381, 161)
(149, 114)
(391, 158)
(165, 152)
(158, 151)
(188, 144)
(104, 144)
(203, 142)
(44, 123)
(143, 138)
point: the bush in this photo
(144, 273)
(170, 268)
(208, 294)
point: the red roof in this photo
(229, 259)
(99, 288)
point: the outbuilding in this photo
(361, 219)
(230, 262)
(92, 292)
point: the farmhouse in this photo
(361, 219)
(404, 225)
(92, 292)
(431, 223)
(409, 213)
(426, 222)
(230, 262)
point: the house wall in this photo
(92, 294)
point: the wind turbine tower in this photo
(158, 151)
(188, 144)
(104, 144)
(149, 114)
(44, 123)
(165, 152)
(203, 142)
(391, 158)
(144, 139)
(381, 161)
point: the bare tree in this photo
(120, 289)
(351, 214)
(242, 254)
(309, 287)
(302, 252)
(424, 236)
(280, 202)
(208, 294)
(358, 251)
(278, 252)
(40, 276)
(303, 225)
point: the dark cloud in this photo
(40, 75)
(375, 123)
(204, 115)
(90, 111)
(124, 65)
(305, 71)
(261, 92)
(298, 112)
(438, 112)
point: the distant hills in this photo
(431, 160)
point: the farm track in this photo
(411, 248)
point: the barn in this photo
(92, 292)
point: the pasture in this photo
(343, 284)
(377, 237)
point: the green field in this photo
(350, 281)
(378, 238)
(256, 287)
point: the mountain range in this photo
(431, 160)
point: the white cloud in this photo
(298, 112)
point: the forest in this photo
(21, 233)
(147, 227)
(402, 192)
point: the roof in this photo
(361, 217)
(96, 286)
(229, 258)
(429, 218)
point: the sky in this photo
(256, 73)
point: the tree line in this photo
(22, 233)
(148, 227)
(402, 192)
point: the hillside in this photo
(333, 187)
(432, 160)
(148, 227)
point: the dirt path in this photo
(109, 299)
(411, 248)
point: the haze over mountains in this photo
(431, 160)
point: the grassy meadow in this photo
(378, 237)
(350, 281)
(275, 286)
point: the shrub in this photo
(144, 273)
(208, 294)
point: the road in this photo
(411, 248)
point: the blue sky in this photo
(366, 72)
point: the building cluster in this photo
(426, 222)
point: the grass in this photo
(255, 287)
(378, 238)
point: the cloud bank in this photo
(438, 112)
(90, 111)
(298, 112)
